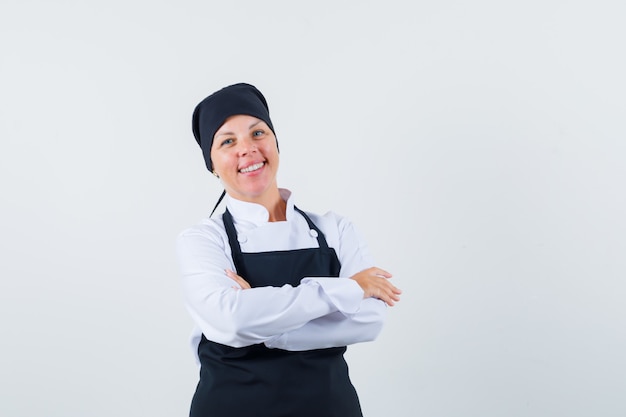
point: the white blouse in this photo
(318, 313)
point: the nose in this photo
(247, 146)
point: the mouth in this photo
(252, 168)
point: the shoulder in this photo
(332, 224)
(209, 230)
(330, 218)
(344, 237)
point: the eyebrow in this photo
(224, 134)
(231, 133)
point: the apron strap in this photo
(218, 202)
(235, 248)
(321, 240)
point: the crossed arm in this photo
(320, 312)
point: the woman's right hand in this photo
(242, 283)
(375, 283)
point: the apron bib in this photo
(255, 381)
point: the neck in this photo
(275, 206)
(278, 213)
(273, 203)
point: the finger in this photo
(395, 289)
(388, 300)
(388, 286)
(395, 295)
(392, 287)
(239, 280)
(392, 295)
(388, 296)
(234, 276)
(382, 273)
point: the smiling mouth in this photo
(252, 168)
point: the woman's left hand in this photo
(375, 283)
(243, 284)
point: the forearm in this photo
(264, 314)
(244, 317)
(335, 329)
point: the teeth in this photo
(252, 167)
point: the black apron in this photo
(255, 381)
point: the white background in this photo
(479, 146)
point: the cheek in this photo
(218, 161)
(271, 150)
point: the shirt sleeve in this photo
(238, 318)
(340, 328)
(335, 329)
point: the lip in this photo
(252, 164)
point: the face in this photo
(245, 156)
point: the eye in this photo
(227, 142)
(258, 133)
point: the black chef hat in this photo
(213, 111)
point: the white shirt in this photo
(318, 313)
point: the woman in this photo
(276, 293)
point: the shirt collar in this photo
(243, 211)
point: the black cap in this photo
(213, 111)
